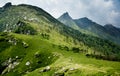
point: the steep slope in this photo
(13, 14)
(32, 55)
(67, 20)
(113, 30)
(87, 26)
(42, 42)
(91, 26)
(101, 31)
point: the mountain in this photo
(32, 42)
(67, 20)
(101, 31)
(84, 22)
(113, 30)
(91, 26)
(94, 29)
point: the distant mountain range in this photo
(108, 31)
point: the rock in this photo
(25, 18)
(71, 69)
(59, 74)
(25, 44)
(10, 41)
(9, 4)
(16, 63)
(48, 68)
(27, 63)
(16, 57)
(42, 71)
(10, 67)
(37, 55)
(45, 69)
(15, 43)
(49, 57)
(10, 60)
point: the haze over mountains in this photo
(108, 31)
(33, 43)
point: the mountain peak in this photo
(66, 15)
(85, 19)
(108, 25)
(66, 19)
(7, 5)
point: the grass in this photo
(41, 53)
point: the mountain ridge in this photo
(97, 29)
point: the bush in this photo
(75, 49)
(45, 36)
(24, 28)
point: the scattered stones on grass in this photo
(10, 67)
(13, 41)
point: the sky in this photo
(100, 11)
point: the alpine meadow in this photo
(34, 43)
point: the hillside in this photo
(113, 30)
(98, 29)
(32, 42)
(94, 29)
(68, 21)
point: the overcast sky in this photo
(100, 11)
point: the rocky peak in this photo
(9, 4)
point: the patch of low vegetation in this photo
(24, 28)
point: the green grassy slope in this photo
(41, 53)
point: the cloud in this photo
(100, 11)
